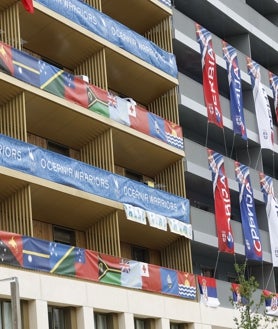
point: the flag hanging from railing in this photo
(262, 106)
(273, 80)
(208, 291)
(222, 202)
(272, 214)
(236, 99)
(271, 302)
(210, 81)
(251, 233)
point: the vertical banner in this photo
(272, 214)
(236, 99)
(222, 202)
(262, 106)
(251, 234)
(210, 82)
(273, 80)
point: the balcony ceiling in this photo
(66, 44)
(133, 13)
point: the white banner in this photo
(180, 228)
(135, 214)
(157, 221)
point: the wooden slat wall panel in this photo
(95, 68)
(94, 3)
(178, 255)
(9, 25)
(16, 213)
(13, 118)
(171, 178)
(42, 230)
(161, 35)
(166, 106)
(99, 152)
(104, 236)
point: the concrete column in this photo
(126, 321)
(85, 318)
(162, 324)
(38, 314)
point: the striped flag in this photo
(208, 291)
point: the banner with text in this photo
(273, 80)
(262, 106)
(39, 162)
(236, 98)
(271, 203)
(210, 82)
(115, 32)
(251, 233)
(222, 202)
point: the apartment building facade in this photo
(104, 167)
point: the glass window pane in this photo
(101, 321)
(7, 315)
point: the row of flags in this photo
(73, 88)
(222, 203)
(57, 258)
(211, 93)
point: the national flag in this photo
(208, 291)
(271, 203)
(271, 302)
(6, 62)
(222, 202)
(86, 264)
(174, 135)
(210, 81)
(262, 106)
(273, 80)
(236, 98)
(51, 79)
(26, 67)
(131, 274)
(169, 281)
(11, 248)
(28, 5)
(238, 298)
(186, 285)
(118, 109)
(138, 117)
(36, 254)
(76, 89)
(253, 247)
(151, 279)
(109, 269)
(157, 127)
(98, 100)
(62, 258)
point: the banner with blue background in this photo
(42, 163)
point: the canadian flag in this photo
(28, 5)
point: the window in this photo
(104, 321)
(178, 326)
(64, 235)
(133, 175)
(58, 148)
(140, 254)
(6, 321)
(207, 271)
(143, 323)
(59, 317)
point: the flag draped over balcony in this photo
(262, 106)
(222, 202)
(236, 99)
(210, 82)
(208, 291)
(28, 5)
(251, 233)
(272, 214)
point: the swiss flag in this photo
(28, 5)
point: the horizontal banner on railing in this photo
(73, 88)
(31, 253)
(55, 167)
(114, 32)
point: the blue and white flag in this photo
(236, 99)
(262, 107)
(251, 233)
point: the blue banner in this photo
(115, 32)
(236, 98)
(39, 162)
(251, 233)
